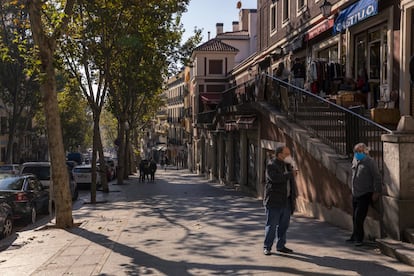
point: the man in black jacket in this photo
(279, 199)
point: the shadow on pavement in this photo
(151, 264)
(360, 267)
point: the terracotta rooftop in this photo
(215, 45)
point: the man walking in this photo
(366, 188)
(279, 199)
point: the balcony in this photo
(206, 117)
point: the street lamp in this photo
(326, 8)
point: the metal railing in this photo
(206, 117)
(339, 127)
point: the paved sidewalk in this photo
(184, 225)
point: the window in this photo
(273, 18)
(215, 67)
(285, 11)
(201, 88)
(329, 54)
(300, 6)
(216, 88)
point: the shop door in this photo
(372, 55)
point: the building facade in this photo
(231, 120)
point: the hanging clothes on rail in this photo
(321, 75)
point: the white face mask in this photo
(288, 160)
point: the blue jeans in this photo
(277, 219)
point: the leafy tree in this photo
(19, 89)
(109, 129)
(85, 53)
(48, 21)
(145, 47)
(183, 55)
(76, 120)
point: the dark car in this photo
(42, 170)
(6, 219)
(25, 194)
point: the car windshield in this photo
(11, 183)
(42, 173)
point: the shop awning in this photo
(211, 98)
(355, 14)
(319, 29)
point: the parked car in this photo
(75, 156)
(83, 175)
(6, 219)
(40, 169)
(71, 164)
(10, 168)
(25, 194)
(43, 173)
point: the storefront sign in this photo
(318, 29)
(354, 14)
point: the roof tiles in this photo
(216, 45)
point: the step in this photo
(402, 251)
(409, 235)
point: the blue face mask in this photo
(359, 156)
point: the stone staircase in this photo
(400, 250)
(319, 117)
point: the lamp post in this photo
(326, 8)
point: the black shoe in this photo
(351, 240)
(285, 250)
(359, 243)
(267, 252)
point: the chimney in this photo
(236, 26)
(219, 28)
(208, 35)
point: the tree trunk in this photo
(102, 164)
(121, 152)
(60, 184)
(127, 155)
(94, 150)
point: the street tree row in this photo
(118, 52)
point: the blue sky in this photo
(206, 13)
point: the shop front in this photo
(370, 43)
(325, 62)
(351, 57)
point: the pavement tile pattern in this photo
(183, 225)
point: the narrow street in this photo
(185, 225)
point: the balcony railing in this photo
(206, 117)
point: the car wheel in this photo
(75, 195)
(8, 227)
